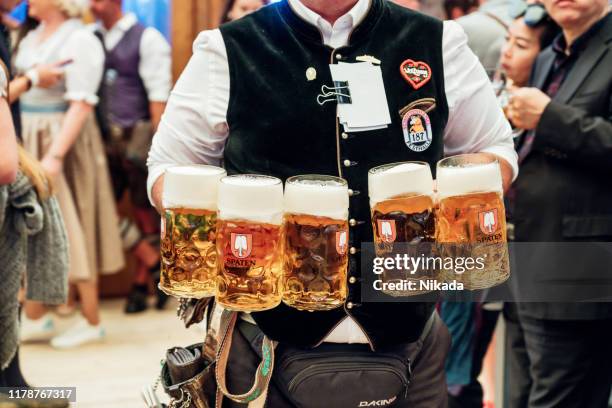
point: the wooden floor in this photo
(111, 374)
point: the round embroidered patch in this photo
(417, 130)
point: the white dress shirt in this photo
(155, 66)
(194, 126)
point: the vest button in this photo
(347, 163)
(353, 250)
(349, 305)
(339, 56)
(352, 279)
(352, 222)
(344, 135)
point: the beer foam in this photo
(458, 180)
(193, 186)
(251, 197)
(318, 197)
(391, 180)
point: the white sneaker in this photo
(41, 329)
(79, 334)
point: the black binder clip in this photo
(340, 93)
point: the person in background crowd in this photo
(8, 172)
(137, 83)
(59, 128)
(486, 29)
(561, 354)
(527, 37)
(10, 128)
(434, 8)
(472, 325)
(458, 8)
(235, 9)
(32, 241)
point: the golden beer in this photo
(471, 219)
(249, 241)
(403, 221)
(316, 245)
(250, 271)
(188, 253)
(189, 221)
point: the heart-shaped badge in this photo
(417, 73)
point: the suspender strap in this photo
(256, 396)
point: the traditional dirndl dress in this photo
(83, 189)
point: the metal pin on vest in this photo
(311, 74)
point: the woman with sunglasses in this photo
(530, 32)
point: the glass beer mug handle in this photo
(264, 371)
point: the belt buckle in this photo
(116, 132)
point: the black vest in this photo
(278, 128)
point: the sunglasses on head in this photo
(533, 14)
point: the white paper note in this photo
(368, 109)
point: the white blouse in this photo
(82, 77)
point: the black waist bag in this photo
(336, 375)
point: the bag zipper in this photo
(336, 368)
(309, 356)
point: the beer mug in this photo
(249, 242)
(189, 220)
(315, 254)
(403, 222)
(471, 220)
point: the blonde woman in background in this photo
(33, 244)
(60, 130)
